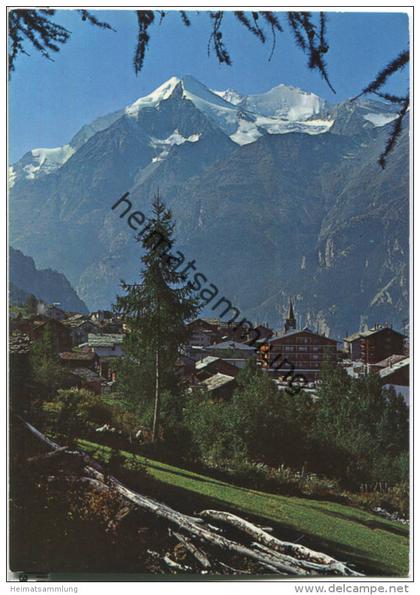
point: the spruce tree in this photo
(31, 304)
(155, 312)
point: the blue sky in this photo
(93, 73)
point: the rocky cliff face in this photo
(46, 285)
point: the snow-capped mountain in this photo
(43, 161)
(39, 162)
(244, 119)
(287, 103)
(266, 213)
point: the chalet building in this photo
(231, 349)
(80, 328)
(225, 331)
(58, 331)
(297, 351)
(250, 335)
(106, 367)
(263, 332)
(375, 344)
(185, 369)
(238, 362)
(202, 333)
(208, 331)
(397, 375)
(112, 327)
(87, 378)
(107, 350)
(388, 362)
(220, 386)
(211, 365)
(101, 316)
(51, 311)
(77, 359)
(105, 345)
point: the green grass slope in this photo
(376, 546)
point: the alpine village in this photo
(180, 443)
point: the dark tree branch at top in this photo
(38, 27)
(309, 32)
(44, 34)
(35, 26)
(395, 133)
(382, 77)
(310, 37)
(399, 63)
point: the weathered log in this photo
(296, 551)
(201, 532)
(174, 565)
(271, 569)
(171, 515)
(235, 570)
(194, 550)
(312, 567)
(47, 456)
(279, 564)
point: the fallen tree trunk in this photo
(194, 551)
(274, 554)
(296, 551)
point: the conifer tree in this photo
(49, 375)
(155, 312)
(31, 304)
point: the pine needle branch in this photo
(395, 133)
(144, 19)
(381, 78)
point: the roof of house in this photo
(88, 375)
(234, 345)
(390, 361)
(217, 380)
(78, 322)
(353, 337)
(369, 333)
(37, 323)
(107, 340)
(77, 356)
(201, 322)
(76, 315)
(19, 343)
(385, 372)
(54, 307)
(202, 363)
(306, 330)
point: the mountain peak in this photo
(287, 102)
(192, 89)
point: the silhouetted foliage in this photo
(44, 34)
(374, 87)
(144, 19)
(35, 26)
(310, 37)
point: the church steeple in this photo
(290, 321)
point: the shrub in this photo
(78, 410)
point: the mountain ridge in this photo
(276, 111)
(266, 219)
(46, 285)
